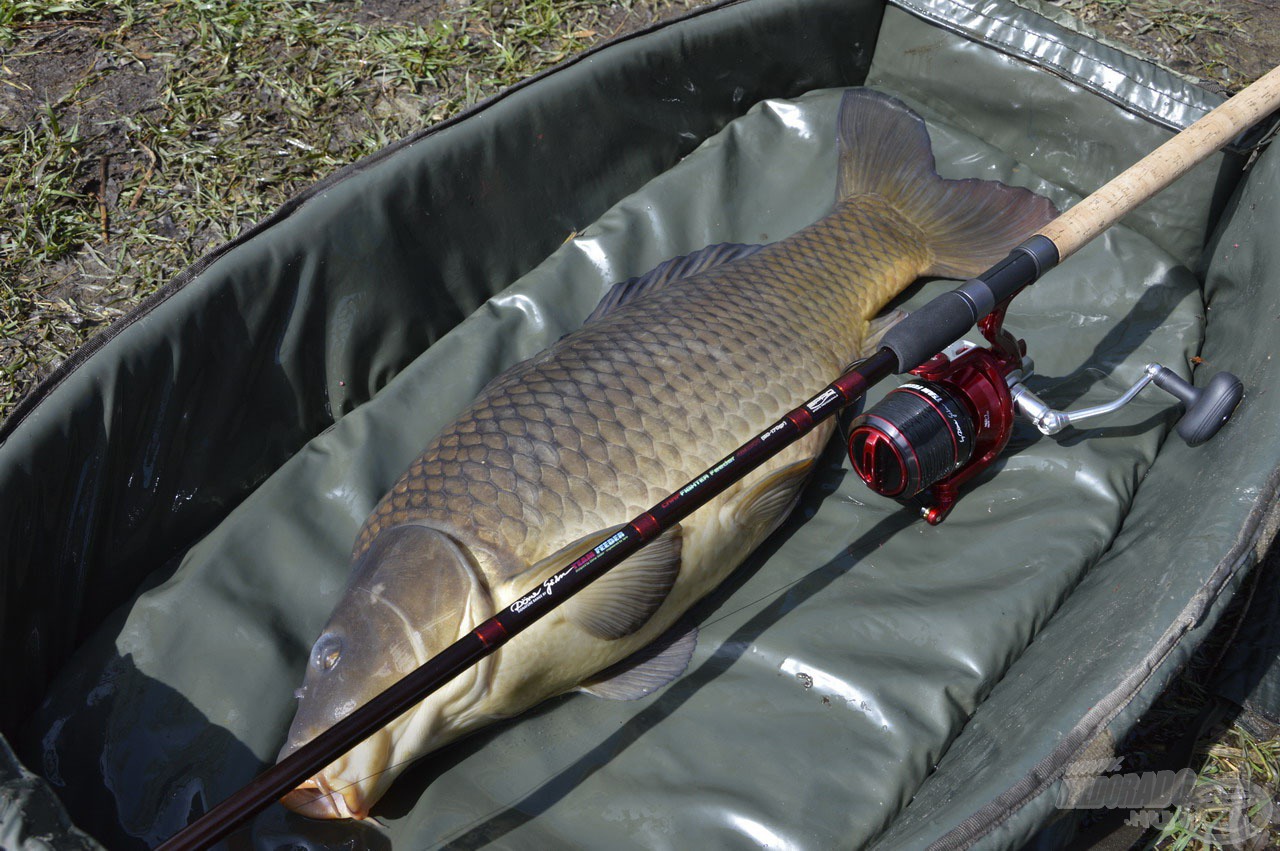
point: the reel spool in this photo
(941, 429)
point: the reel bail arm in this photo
(944, 427)
(889, 463)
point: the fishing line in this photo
(334, 790)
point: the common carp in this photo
(672, 371)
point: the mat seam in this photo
(928, 13)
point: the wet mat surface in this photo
(832, 670)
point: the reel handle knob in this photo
(1208, 407)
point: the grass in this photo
(47, 223)
(1212, 41)
(19, 15)
(243, 104)
(1231, 762)
(1236, 772)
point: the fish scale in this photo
(631, 407)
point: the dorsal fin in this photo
(670, 270)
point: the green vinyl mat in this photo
(833, 670)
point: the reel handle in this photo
(1208, 407)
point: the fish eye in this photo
(327, 652)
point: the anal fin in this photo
(646, 670)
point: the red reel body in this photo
(942, 429)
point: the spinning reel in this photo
(941, 429)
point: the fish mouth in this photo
(314, 798)
(332, 793)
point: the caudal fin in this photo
(970, 225)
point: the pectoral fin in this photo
(647, 670)
(620, 602)
(771, 499)
(567, 554)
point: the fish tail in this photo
(969, 225)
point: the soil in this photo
(104, 74)
(103, 89)
(1225, 44)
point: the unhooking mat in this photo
(847, 662)
(851, 665)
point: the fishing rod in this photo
(983, 383)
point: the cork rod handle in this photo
(1074, 228)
